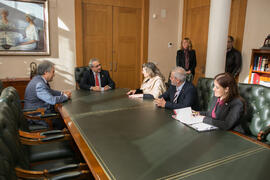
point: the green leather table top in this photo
(133, 139)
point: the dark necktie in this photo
(97, 82)
(176, 96)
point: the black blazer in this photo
(187, 98)
(180, 60)
(88, 80)
(233, 62)
(228, 116)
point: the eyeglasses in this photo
(97, 66)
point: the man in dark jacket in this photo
(96, 79)
(233, 58)
(180, 94)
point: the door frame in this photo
(79, 32)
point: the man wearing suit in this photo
(38, 93)
(96, 79)
(180, 94)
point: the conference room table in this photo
(126, 139)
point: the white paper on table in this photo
(203, 127)
(185, 116)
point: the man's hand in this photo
(96, 88)
(131, 92)
(68, 94)
(107, 88)
(160, 102)
(188, 72)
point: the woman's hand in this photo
(195, 113)
(136, 96)
(131, 92)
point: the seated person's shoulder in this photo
(237, 101)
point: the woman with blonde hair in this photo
(153, 84)
(186, 58)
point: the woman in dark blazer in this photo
(227, 107)
(186, 58)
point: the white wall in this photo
(164, 30)
(62, 41)
(257, 27)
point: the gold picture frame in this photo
(24, 27)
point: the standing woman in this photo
(227, 106)
(186, 58)
(153, 84)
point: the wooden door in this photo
(195, 26)
(97, 34)
(126, 47)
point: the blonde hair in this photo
(189, 43)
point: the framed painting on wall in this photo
(24, 27)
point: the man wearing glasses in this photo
(96, 79)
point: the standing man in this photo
(233, 58)
(96, 79)
(180, 94)
(38, 93)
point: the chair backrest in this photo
(6, 167)
(12, 147)
(1, 86)
(11, 97)
(205, 92)
(78, 71)
(257, 99)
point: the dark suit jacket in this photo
(228, 115)
(180, 60)
(233, 62)
(187, 98)
(88, 79)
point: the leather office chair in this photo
(257, 99)
(21, 157)
(11, 103)
(78, 71)
(1, 86)
(12, 94)
(205, 92)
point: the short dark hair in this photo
(44, 67)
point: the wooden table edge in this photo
(87, 153)
(250, 139)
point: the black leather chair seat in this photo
(37, 128)
(53, 164)
(49, 151)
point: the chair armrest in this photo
(51, 132)
(71, 175)
(41, 135)
(55, 138)
(28, 174)
(263, 133)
